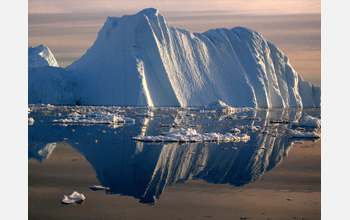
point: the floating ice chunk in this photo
(99, 113)
(96, 187)
(218, 106)
(254, 128)
(191, 135)
(242, 127)
(309, 121)
(74, 115)
(299, 134)
(75, 197)
(30, 121)
(235, 130)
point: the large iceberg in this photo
(142, 60)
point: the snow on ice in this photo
(141, 60)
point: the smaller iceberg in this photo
(191, 135)
(75, 197)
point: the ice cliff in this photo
(141, 60)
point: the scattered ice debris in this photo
(299, 134)
(30, 121)
(174, 125)
(96, 187)
(107, 120)
(254, 118)
(308, 121)
(191, 135)
(241, 127)
(75, 197)
(254, 128)
(264, 131)
(219, 106)
(190, 115)
(235, 130)
(149, 114)
(99, 113)
(74, 115)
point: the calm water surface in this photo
(271, 176)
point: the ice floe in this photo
(75, 115)
(96, 187)
(254, 128)
(75, 197)
(235, 130)
(191, 135)
(300, 134)
(308, 121)
(115, 119)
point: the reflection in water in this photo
(144, 170)
(41, 154)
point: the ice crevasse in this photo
(142, 60)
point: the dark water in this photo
(144, 170)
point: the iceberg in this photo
(52, 85)
(141, 60)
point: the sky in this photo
(69, 28)
(242, 6)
